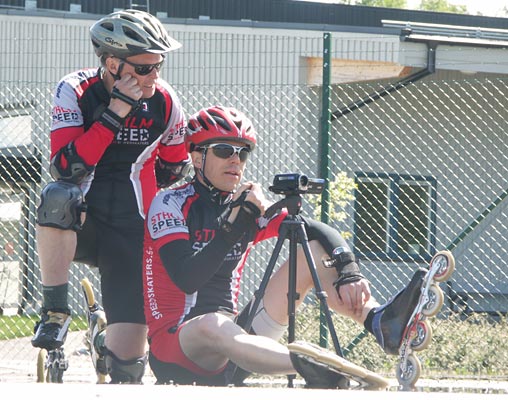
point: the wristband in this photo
(111, 120)
(116, 94)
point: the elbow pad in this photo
(68, 166)
(168, 173)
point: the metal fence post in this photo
(325, 156)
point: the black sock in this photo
(368, 321)
(55, 297)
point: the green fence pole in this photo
(324, 154)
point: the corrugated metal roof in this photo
(287, 11)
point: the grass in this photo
(17, 326)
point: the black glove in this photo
(168, 173)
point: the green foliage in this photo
(461, 348)
(341, 194)
(441, 6)
(383, 3)
(425, 5)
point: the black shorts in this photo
(118, 255)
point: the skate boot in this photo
(51, 331)
(95, 337)
(323, 369)
(400, 326)
(317, 375)
(390, 319)
(96, 333)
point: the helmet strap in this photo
(217, 195)
(117, 76)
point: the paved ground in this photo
(76, 391)
(18, 375)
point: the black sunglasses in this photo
(143, 69)
(226, 150)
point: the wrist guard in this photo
(111, 120)
(346, 265)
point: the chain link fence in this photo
(426, 167)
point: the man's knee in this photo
(125, 371)
(262, 323)
(61, 206)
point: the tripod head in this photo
(293, 203)
(293, 186)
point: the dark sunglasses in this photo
(226, 150)
(143, 69)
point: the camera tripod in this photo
(293, 228)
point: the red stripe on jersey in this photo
(62, 137)
(173, 154)
(168, 101)
(85, 85)
(169, 238)
(188, 203)
(94, 143)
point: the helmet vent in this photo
(220, 120)
(132, 34)
(108, 26)
(202, 122)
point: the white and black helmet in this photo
(130, 32)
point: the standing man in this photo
(198, 238)
(117, 133)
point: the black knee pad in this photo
(125, 371)
(61, 206)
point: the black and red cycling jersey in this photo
(123, 182)
(204, 275)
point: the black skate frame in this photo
(293, 228)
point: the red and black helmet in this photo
(212, 124)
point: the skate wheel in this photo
(101, 378)
(423, 336)
(41, 365)
(445, 265)
(88, 292)
(56, 366)
(436, 300)
(408, 378)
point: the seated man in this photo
(198, 239)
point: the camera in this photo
(290, 184)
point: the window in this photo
(394, 216)
(16, 130)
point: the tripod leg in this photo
(321, 295)
(260, 292)
(258, 295)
